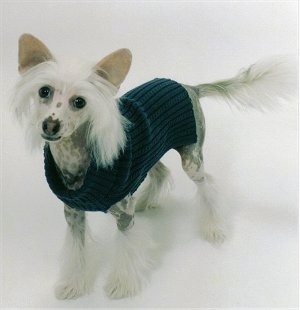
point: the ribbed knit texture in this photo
(161, 116)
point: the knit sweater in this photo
(161, 117)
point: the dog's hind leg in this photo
(132, 254)
(211, 217)
(74, 280)
(157, 185)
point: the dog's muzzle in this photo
(51, 129)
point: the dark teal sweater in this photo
(161, 117)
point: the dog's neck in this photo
(72, 158)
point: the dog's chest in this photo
(72, 161)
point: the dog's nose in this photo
(51, 127)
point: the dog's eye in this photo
(78, 103)
(45, 92)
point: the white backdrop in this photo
(253, 156)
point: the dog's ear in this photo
(115, 66)
(32, 52)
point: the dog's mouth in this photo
(50, 138)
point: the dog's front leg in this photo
(74, 278)
(132, 255)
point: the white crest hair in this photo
(106, 131)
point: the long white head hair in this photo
(106, 126)
(97, 84)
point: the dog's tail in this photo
(261, 86)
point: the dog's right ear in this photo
(115, 66)
(32, 52)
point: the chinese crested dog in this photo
(98, 149)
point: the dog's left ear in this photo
(32, 52)
(115, 66)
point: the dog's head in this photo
(57, 98)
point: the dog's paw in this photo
(213, 230)
(214, 235)
(121, 287)
(71, 290)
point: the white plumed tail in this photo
(262, 86)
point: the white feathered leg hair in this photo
(132, 253)
(76, 276)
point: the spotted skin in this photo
(72, 158)
(192, 155)
(123, 212)
(76, 222)
(192, 162)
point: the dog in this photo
(99, 149)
